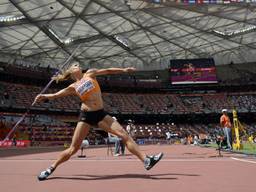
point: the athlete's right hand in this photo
(39, 98)
(129, 69)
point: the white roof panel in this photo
(104, 27)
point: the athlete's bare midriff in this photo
(90, 94)
(93, 103)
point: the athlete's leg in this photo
(113, 127)
(80, 133)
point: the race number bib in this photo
(85, 86)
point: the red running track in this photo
(183, 168)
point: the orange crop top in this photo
(86, 86)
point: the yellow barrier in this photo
(237, 145)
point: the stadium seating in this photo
(45, 131)
(21, 96)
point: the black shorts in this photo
(92, 117)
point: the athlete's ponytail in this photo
(65, 75)
(62, 76)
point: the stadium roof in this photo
(140, 33)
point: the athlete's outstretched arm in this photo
(62, 93)
(109, 71)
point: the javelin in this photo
(44, 89)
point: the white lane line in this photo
(243, 160)
(117, 160)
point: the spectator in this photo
(116, 140)
(6, 95)
(226, 125)
(168, 137)
(196, 140)
(14, 140)
(130, 128)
